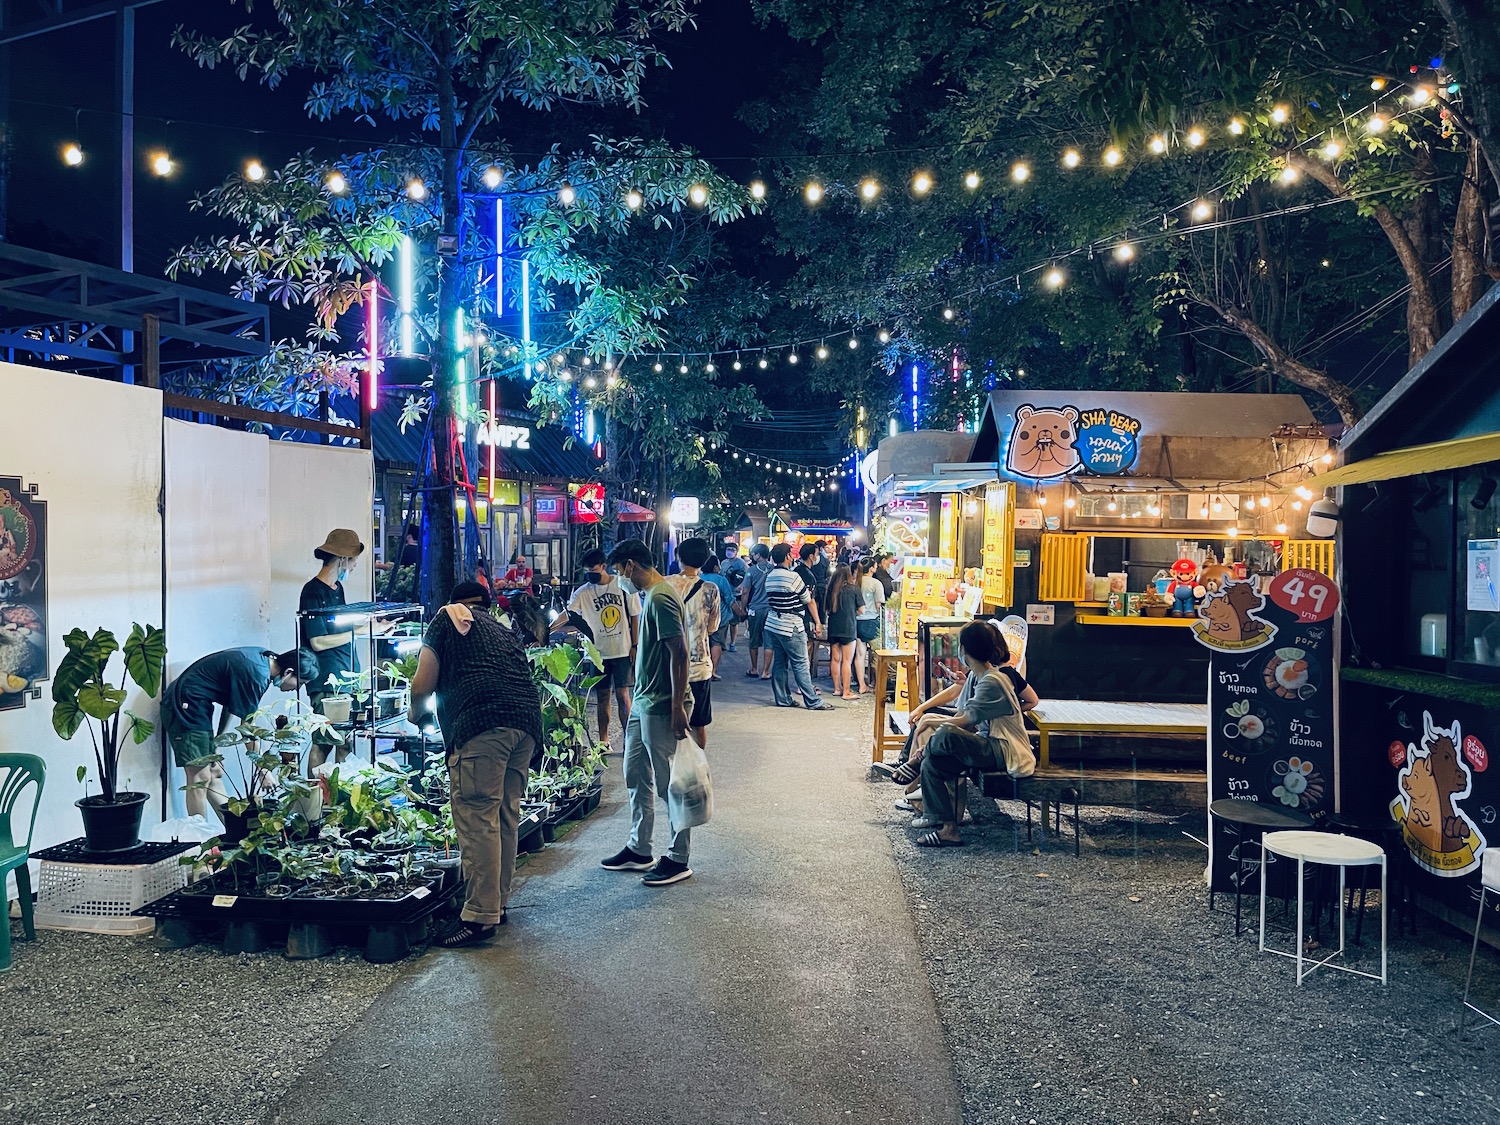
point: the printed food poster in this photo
(1483, 581)
(1271, 714)
(23, 593)
(924, 593)
(997, 540)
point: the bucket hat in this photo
(343, 543)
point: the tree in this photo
(316, 232)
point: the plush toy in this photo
(1184, 590)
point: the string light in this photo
(1124, 252)
(1279, 114)
(1420, 95)
(698, 195)
(883, 336)
(763, 363)
(1071, 158)
(853, 342)
(971, 181)
(813, 192)
(1054, 278)
(1020, 172)
(1377, 84)
(1236, 127)
(416, 189)
(566, 195)
(757, 190)
(255, 171)
(1195, 137)
(869, 189)
(72, 155)
(1112, 156)
(1332, 150)
(948, 314)
(634, 199)
(921, 183)
(161, 164)
(1069, 502)
(492, 177)
(1203, 210)
(822, 352)
(1290, 175)
(336, 184)
(737, 365)
(793, 357)
(1158, 144)
(1376, 124)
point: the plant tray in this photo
(77, 851)
(206, 906)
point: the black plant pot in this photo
(112, 826)
(237, 824)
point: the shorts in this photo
(619, 672)
(758, 630)
(703, 708)
(719, 637)
(189, 746)
(867, 630)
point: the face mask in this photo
(593, 577)
(343, 573)
(629, 586)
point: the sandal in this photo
(468, 933)
(753, 674)
(933, 840)
(907, 772)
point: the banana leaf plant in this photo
(84, 695)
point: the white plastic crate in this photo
(98, 898)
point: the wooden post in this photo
(323, 415)
(151, 350)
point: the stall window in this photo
(1476, 635)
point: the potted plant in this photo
(82, 695)
(269, 770)
(398, 673)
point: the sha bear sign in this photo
(1047, 443)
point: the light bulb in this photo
(72, 155)
(971, 180)
(1153, 509)
(1420, 95)
(948, 314)
(921, 183)
(1332, 150)
(1296, 505)
(161, 164)
(822, 352)
(1069, 502)
(813, 193)
(656, 367)
(883, 336)
(1112, 156)
(1071, 158)
(1327, 458)
(1158, 144)
(255, 171)
(634, 199)
(1279, 114)
(1203, 210)
(793, 357)
(1041, 499)
(416, 189)
(566, 195)
(737, 365)
(1377, 84)
(1203, 512)
(1236, 126)
(1112, 506)
(1195, 137)
(1376, 123)
(853, 342)
(698, 195)
(590, 383)
(1218, 507)
(612, 380)
(1124, 252)
(492, 177)
(763, 363)
(710, 368)
(869, 189)
(1265, 501)
(1020, 172)
(336, 183)
(682, 369)
(1233, 533)
(1054, 278)
(757, 190)
(1281, 528)
(1289, 175)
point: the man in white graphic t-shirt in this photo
(606, 614)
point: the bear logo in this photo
(1041, 446)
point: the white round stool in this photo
(1330, 850)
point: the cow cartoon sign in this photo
(1049, 442)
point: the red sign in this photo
(1307, 593)
(588, 502)
(1478, 756)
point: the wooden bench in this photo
(1087, 717)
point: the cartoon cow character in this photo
(1231, 613)
(1432, 781)
(1042, 445)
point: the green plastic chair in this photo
(17, 771)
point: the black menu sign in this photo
(1271, 717)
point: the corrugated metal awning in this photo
(1413, 461)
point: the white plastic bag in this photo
(690, 793)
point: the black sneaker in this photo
(626, 860)
(666, 872)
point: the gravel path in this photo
(110, 1030)
(1101, 989)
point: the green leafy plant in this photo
(82, 693)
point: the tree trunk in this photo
(1469, 228)
(614, 485)
(1476, 27)
(1284, 364)
(439, 530)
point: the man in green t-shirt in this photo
(658, 715)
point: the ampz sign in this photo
(504, 437)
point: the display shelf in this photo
(1168, 622)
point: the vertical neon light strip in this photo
(914, 370)
(499, 258)
(493, 423)
(463, 367)
(526, 315)
(372, 344)
(406, 295)
(588, 427)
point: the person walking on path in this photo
(757, 608)
(839, 609)
(983, 733)
(726, 611)
(700, 598)
(734, 571)
(491, 719)
(790, 598)
(658, 717)
(602, 605)
(882, 575)
(867, 620)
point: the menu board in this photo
(999, 538)
(1271, 700)
(924, 593)
(23, 593)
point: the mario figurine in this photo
(1184, 589)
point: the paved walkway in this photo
(782, 983)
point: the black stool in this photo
(1386, 835)
(1249, 819)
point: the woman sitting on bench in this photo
(987, 733)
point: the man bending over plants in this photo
(491, 720)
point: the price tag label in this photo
(1310, 595)
(421, 892)
(226, 900)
